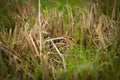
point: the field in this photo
(59, 40)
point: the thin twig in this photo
(33, 43)
(40, 32)
(54, 39)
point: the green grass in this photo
(87, 48)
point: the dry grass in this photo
(40, 51)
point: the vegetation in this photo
(66, 41)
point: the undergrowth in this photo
(78, 43)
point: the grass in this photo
(78, 43)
